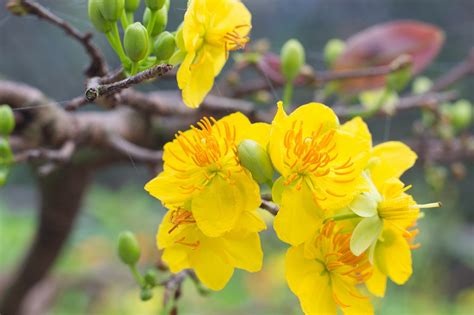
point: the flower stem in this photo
(138, 277)
(134, 69)
(124, 19)
(287, 94)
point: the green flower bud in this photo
(398, 79)
(461, 114)
(161, 20)
(135, 42)
(421, 85)
(7, 120)
(155, 4)
(179, 38)
(151, 277)
(128, 248)
(146, 294)
(132, 5)
(112, 9)
(97, 18)
(165, 46)
(292, 59)
(255, 158)
(6, 158)
(333, 50)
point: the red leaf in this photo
(270, 66)
(381, 44)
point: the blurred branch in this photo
(98, 66)
(136, 152)
(464, 68)
(172, 290)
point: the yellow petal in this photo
(394, 159)
(313, 115)
(393, 256)
(249, 221)
(176, 258)
(159, 187)
(258, 132)
(307, 279)
(377, 283)
(217, 208)
(359, 129)
(298, 217)
(210, 266)
(243, 250)
(353, 302)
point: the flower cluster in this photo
(342, 206)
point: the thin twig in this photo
(464, 68)
(98, 66)
(269, 206)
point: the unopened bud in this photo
(151, 277)
(461, 114)
(155, 4)
(132, 5)
(255, 158)
(112, 9)
(165, 46)
(97, 18)
(421, 85)
(146, 294)
(161, 20)
(128, 248)
(135, 42)
(180, 39)
(7, 120)
(333, 50)
(292, 59)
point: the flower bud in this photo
(7, 120)
(161, 20)
(6, 158)
(333, 50)
(150, 277)
(255, 158)
(135, 42)
(461, 114)
(165, 46)
(112, 9)
(421, 85)
(155, 4)
(402, 74)
(146, 294)
(97, 18)
(128, 248)
(180, 39)
(292, 59)
(132, 5)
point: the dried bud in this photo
(333, 50)
(292, 59)
(7, 120)
(128, 248)
(112, 9)
(97, 18)
(255, 158)
(135, 42)
(155, 4)
(165, 46)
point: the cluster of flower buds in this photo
(342, 206)
(7, 124)
(145, 43)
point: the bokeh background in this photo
(89, 279)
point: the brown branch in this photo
(269, 206)
(136, 152)
(464, 68)
(172, 290)
(98, 65)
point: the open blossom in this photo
(323, 273)
(212, 258)
(211, 29)
(320, 165)
(202, 171)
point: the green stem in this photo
(151, 22)
(287, 94)
(134, 69)
(130, 17)
(138, 277)
(342, 217)
(124, 19)
(114, 40)
(269, 183)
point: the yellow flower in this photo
(323, 273)
(211, 29)
(212, 258)
(202, 171)
(320, 166)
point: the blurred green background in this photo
(91, 278)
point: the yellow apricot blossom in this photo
(320, 166)
(212, 258)
(202, 170)
(323, 273)
(211, 29)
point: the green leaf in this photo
(365, 233)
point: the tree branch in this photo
(98, 66)
(464, 68)
(136, 152)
